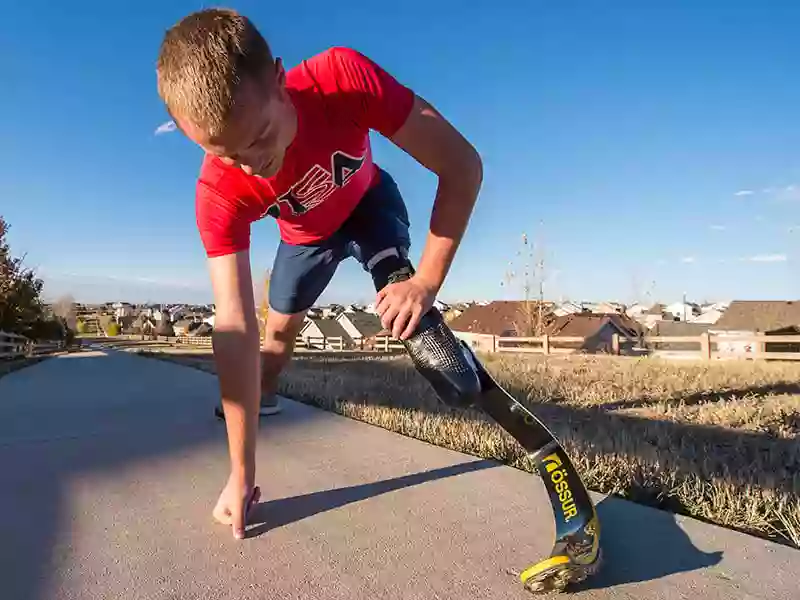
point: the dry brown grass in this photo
(717, 441)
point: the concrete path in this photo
(111, 464)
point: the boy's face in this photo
(260, 129)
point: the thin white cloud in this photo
(767, 258)
(718, 227)
(744, 193)
(688, 259)
(790, 193)
(768, 190)
(166, 127)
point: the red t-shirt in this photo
(339, 96)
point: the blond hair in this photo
(202, 61)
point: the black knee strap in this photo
(389, 266)
(434, 350)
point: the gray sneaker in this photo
(269, 406)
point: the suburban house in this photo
(182, 327)
(161, 314)
(353, 308)
(141, 325)
(332, 311)
(122, 309)
(567, 308)
(505, 318)
(636, 310)
(316, 331)
(749, 317)
(682, 311)
(174, 313)
(361, 326)
(597, 331)
(708, 317)
(604, 308)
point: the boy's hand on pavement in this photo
(237, 498)
(401, 305)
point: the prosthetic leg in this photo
(460, 380)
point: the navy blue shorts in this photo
(301, 273)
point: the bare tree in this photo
(64, 308)
(531, 263)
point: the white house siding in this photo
(310, 330)
(682, 311)
(351, 330)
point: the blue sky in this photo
(646, 147)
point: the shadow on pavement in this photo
(73, 419)
(277, 513)
(641, 544)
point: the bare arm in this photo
(430, 139)
(236, 352)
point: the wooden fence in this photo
(706, 346)
(382, 343)
(333, 343)
(190, 340)
(13, 345)
(544, 344)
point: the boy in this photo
(294, 146)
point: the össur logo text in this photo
(558, 475)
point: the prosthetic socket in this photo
(436, 353)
